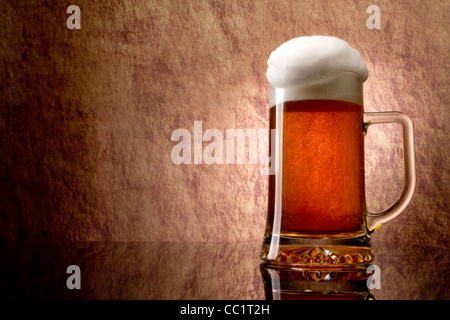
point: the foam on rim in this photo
(317, 67)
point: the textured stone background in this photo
(86, 115)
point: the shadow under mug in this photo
(317, 214)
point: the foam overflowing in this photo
(317, 67)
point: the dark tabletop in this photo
(207, 271)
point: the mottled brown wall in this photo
(86, 115)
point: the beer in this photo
(322, 167)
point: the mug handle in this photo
(375, 220)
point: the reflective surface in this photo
(148, 270)
(306, 284)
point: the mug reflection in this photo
(316, 284)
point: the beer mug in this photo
(317, 213)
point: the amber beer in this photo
(322, 168)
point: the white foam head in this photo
(317, 67)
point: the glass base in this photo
(328, 252)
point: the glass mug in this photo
(317, 213)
